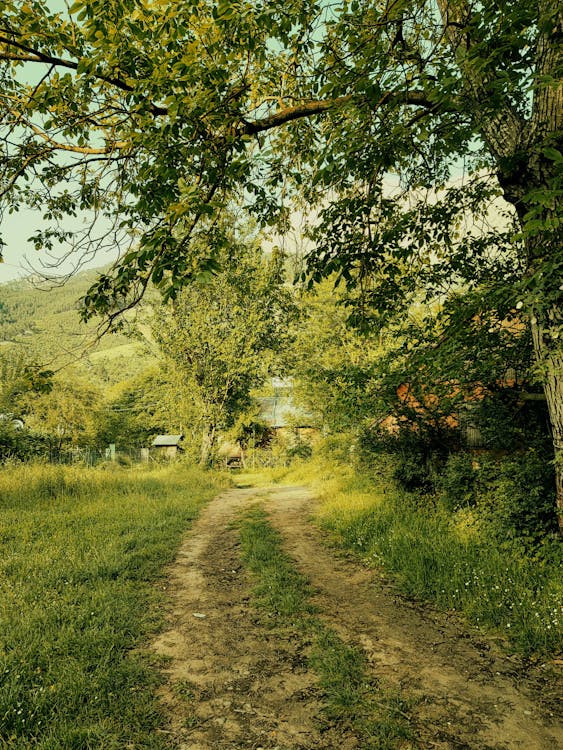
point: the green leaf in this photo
(553, 154)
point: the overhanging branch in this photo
(288, 114)
(33, 55)
(309, 109)
(57, 146)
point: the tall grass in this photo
(81, 551)
(445, 557)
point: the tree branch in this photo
(502, 129)
(288, 114)
(57, 146)
(32, 55)
(308, 109)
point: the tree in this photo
(224, 336)
(337, 367)
(156, 114)
(149, 404)
(66, 416)
(20, 376)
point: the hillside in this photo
(47, 323)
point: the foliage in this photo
(20, 377)
(17, 443)
(451, 367)
(328, 101)
(420, 445)
(41, 318)
(80, 554)
(138, 409)
(250, 432)
(454, 560)
(457, 352)
(223, 335)
(508, 421)
(336, 366)
(66, 415)
(456, 484)
(515, 497)
(45, 336)
(300, 449)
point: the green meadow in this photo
(82, 552)
(451, 559)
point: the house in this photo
(441, 412)
(167, 446)
(280, 412)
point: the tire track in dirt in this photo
(232, 683)
(248, 688)
(470, 696)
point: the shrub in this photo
(20, 444)
(507, 422)
(299, 450)
(517, 496)
(420, 450)
(456, 483)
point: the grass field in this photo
(81, 555)
(122, 350)
(442, 557)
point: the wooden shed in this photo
(167, 446)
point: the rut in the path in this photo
(234, 684)
(248, 688)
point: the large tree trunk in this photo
(549, 356)
(518, 144)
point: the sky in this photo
(14, 231)
(20, 257)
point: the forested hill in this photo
(45, 321)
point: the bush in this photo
(456, 483)
(299, 450)
(20, 444)
(517, 496)
(506, 422)
(420, 451)
(513, 495)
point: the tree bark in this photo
(549, 357)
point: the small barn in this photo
(167, 446)
(281, 413)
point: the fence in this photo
(92, 456)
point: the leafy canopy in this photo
(151, 117)
(225, 335)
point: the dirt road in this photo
(232, 683)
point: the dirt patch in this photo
(232, 683)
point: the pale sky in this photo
(14, 232)
(20, 257)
